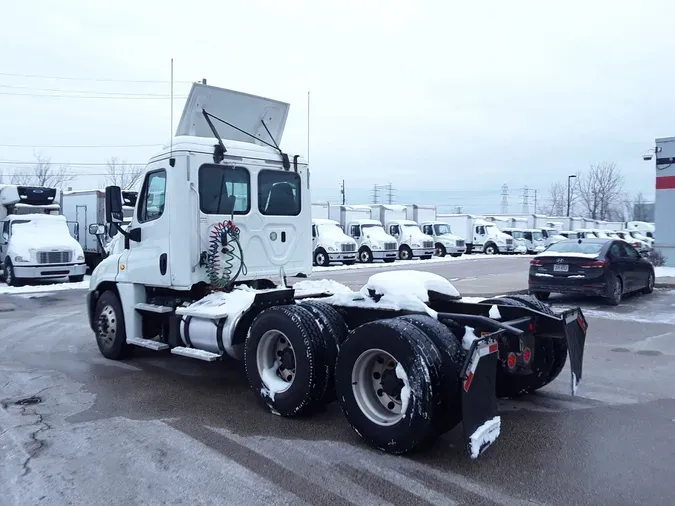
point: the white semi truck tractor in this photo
(480, 235)
(330, 244)
(372, 242)
(201, 273)
(35, 241)
(445, 243)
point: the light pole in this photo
(569, 195)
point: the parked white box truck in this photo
(87, 208)
(412, 243)
(321, 210)
(35, 242)
(479, 235)
(331, 244)
(373, 243)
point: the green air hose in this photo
(224, 250)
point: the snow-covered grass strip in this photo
(417, 263)
(484, 436)
(43, 287)
(664, 272)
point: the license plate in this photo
(561, 268)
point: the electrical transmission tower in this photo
(505, 199)
(388, 193)
(375, 194)
(526, 204)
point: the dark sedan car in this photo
(605, 267)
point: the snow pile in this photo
(405, 391)
(272, 384)
(575, 384)
(393, 302)
(46, 287)
(665, 272)
(42, 231)
(416, 283)
(469, 337)
(220, 304)
(484, 436)
(494, 313)
(319, 286)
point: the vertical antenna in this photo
(307, 127)
(171, 160)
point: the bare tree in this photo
(557, 200)
(122, 174)
(43, 173)
(600, 191)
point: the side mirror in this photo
(5, 236)
(96, 229)
(113, 204)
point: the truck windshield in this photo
(330, 231)
(517, 234)
(536, 236)
(442, 229)
(18, 222)
(375, 230)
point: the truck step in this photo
(147, 343)
(153, 308)
(207, 356)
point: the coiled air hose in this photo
(224, 246)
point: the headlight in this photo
(80, 258)
(19, 258)
(416, 245)
(376, 246)
(330, 248)
(448, 243)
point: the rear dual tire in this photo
(372, 394)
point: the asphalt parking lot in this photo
(159, 429)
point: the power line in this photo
(165, 97)
(91, 92)
(505, 199)
(76, 164)
(53, 146)
(89, 79)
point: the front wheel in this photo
(10, 277)
(490, 249)
(321, 258)
(405, 253)
(111, 335)
(365, 256)
(440, 250)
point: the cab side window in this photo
(393, 230)
(480, 230)
(616, 251)
(427, 230)
(631, 252)
(152, 196)
(279, 193)
(313, 230)
(354, 231)
(5, 231)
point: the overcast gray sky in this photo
(428, 95)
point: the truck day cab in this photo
(446, 242)
(479, 235)
(35, 242)
(231, 213)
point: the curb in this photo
(664, 285)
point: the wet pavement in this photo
(76, 428)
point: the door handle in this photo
(162, 264)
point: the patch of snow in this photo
(405, 391)
(494, 313)
(575, 384)
(42, 231)
(484, 436)
(393, 302)
(319, 286)
(416, 283)
(576, 276)
(41, 288)
(665, 272)
(273, 384)
(469, 337)
(219, 304)
(472, 300)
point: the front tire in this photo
(10, 277)
(405, 253)
(649, 288)
(440, 250)
(111, 334)
(387, 378)
(490, 249)
(321, 258)
(365, 256)
(286, 360)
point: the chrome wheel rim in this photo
(9, 275)
(320, 259)
(405, 255)
(364, 257)
(376, 388)
(107, 326)
(276, 361)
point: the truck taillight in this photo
(598, 263)
(536, 262)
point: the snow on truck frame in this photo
(406, 359)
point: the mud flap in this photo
(575, 333)
(479, 399)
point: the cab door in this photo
(147, 262)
